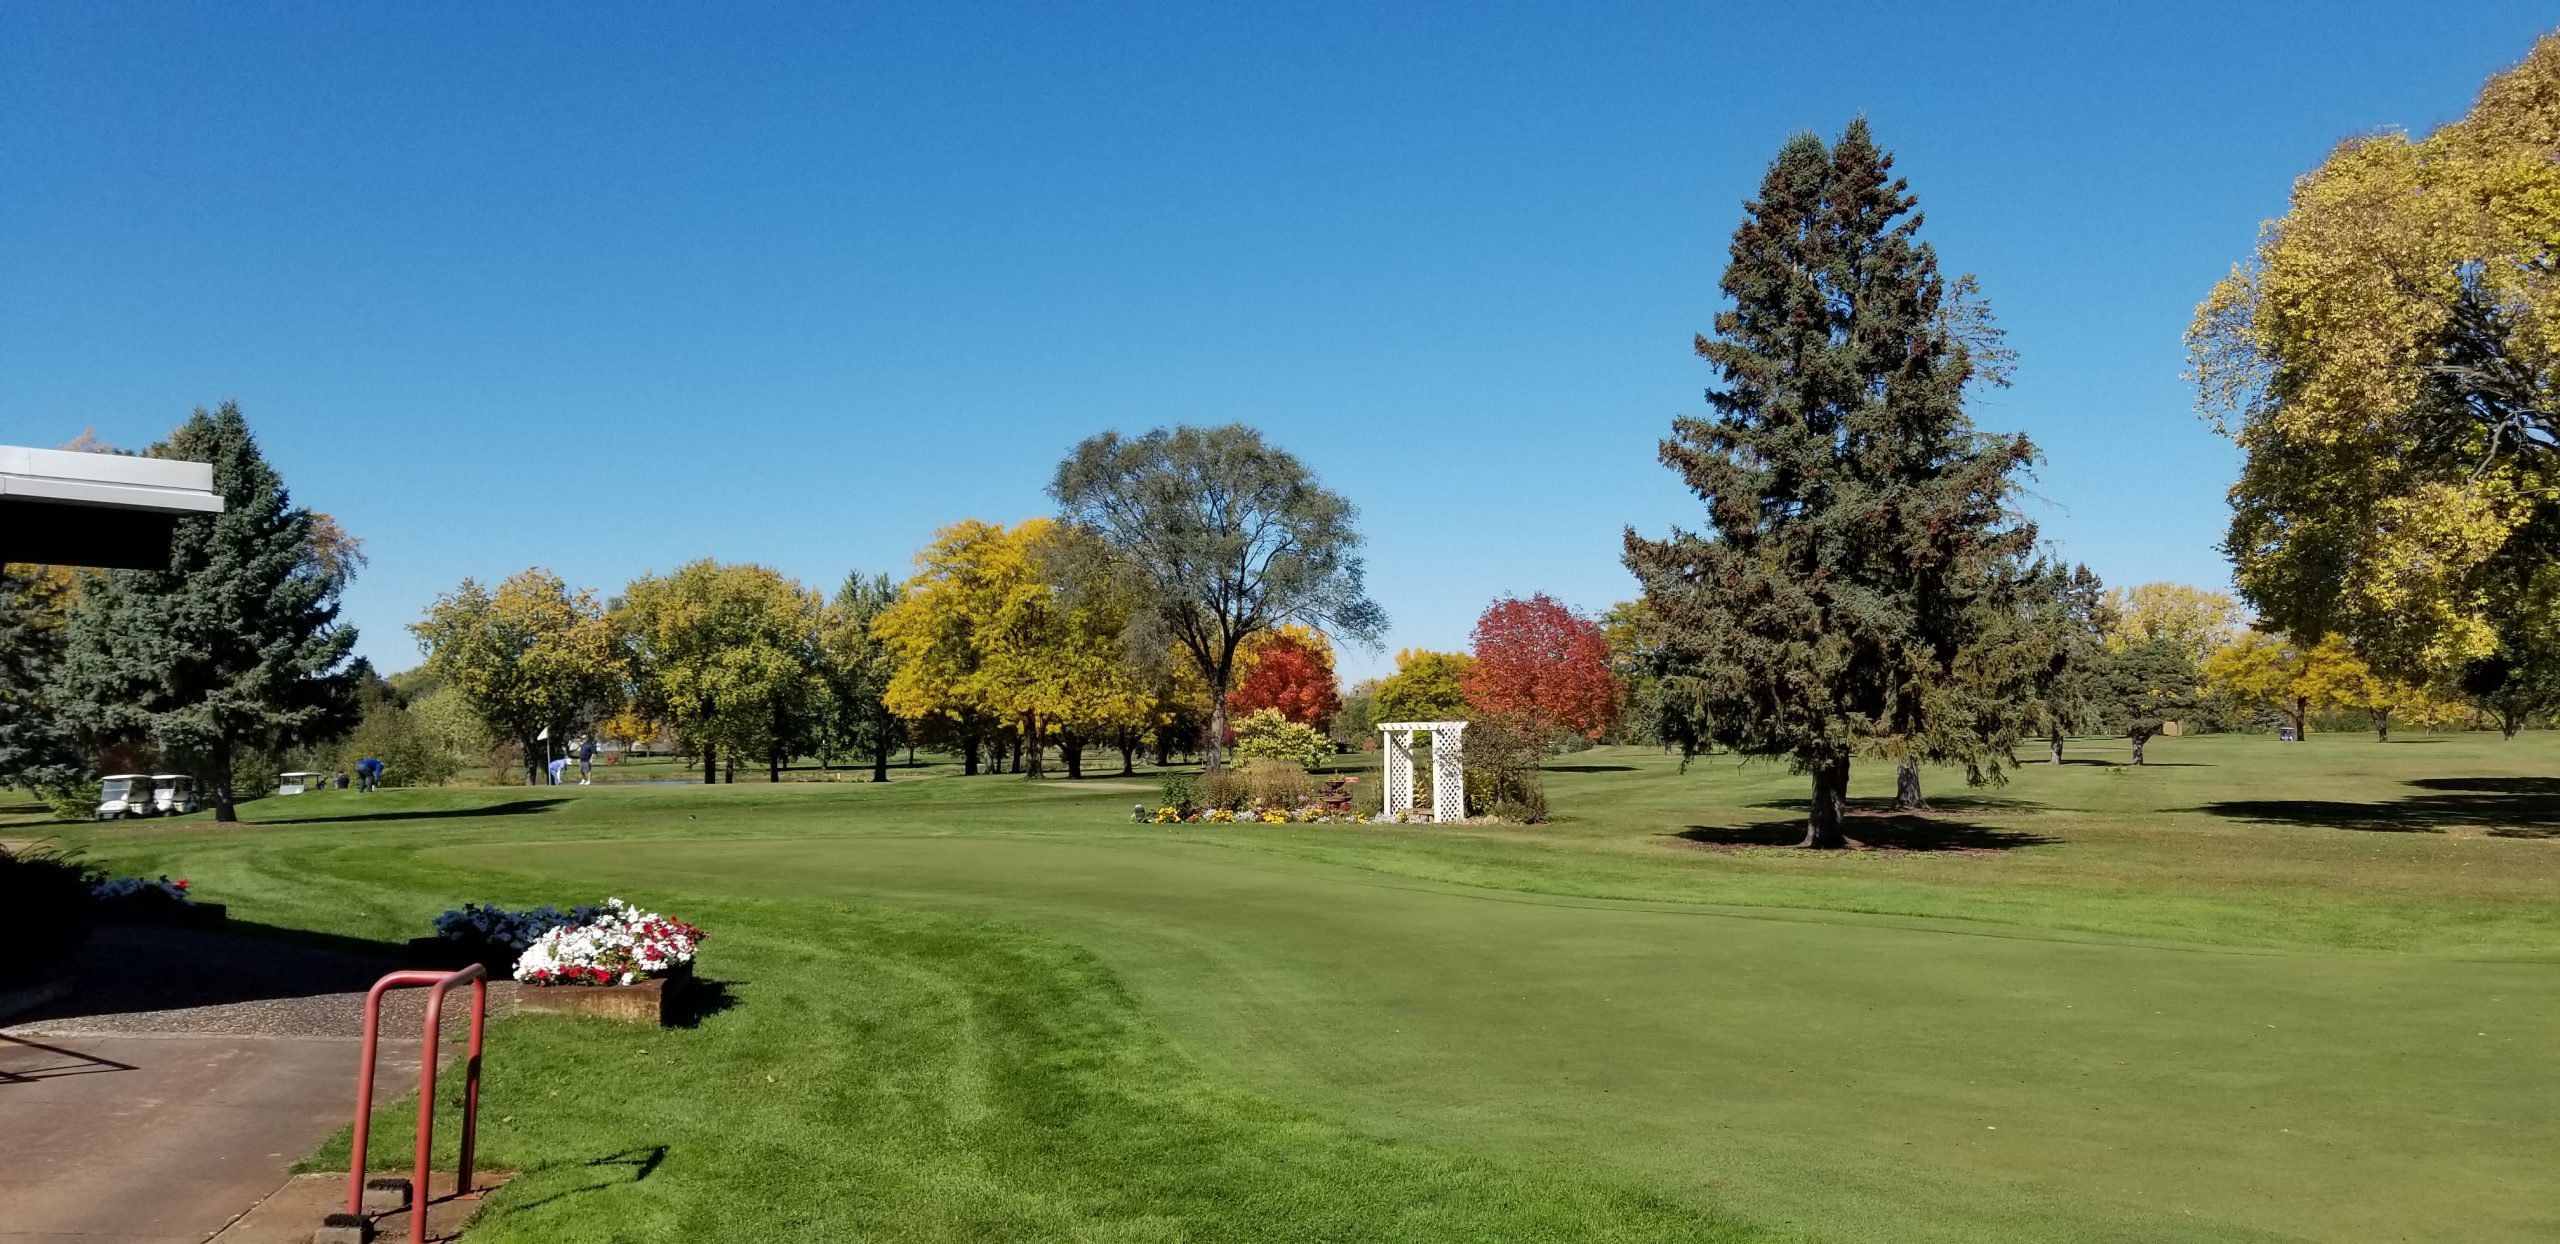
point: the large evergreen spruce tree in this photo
(1859, 539)
(234, 646)
(35, 750)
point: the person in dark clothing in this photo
(586, 760)
(368, 774)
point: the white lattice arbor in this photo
(1448, 767)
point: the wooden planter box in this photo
(657, 1001)
(147, 911)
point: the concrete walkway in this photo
(179, 1085)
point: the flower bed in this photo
(619, 945)
(490, 934)
(151, 900)
(1310, 814)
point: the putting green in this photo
(1851, 1077)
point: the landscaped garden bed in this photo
(609, 959)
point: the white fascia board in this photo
(112, 481)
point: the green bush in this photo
(1266, 735)
(1502, 776)
(1225, 788)
(1277, 783)
(45, 912)
(1181, 792)
(70, 803)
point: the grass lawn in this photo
(2252, 991)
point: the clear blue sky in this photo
(606, 288)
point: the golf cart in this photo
(126, 794)
(175, 794)
(300, 780)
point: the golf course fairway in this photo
(1830, 1073)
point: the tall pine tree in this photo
(235, 645)
(1859, 534)
(35, 750)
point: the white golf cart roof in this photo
(172, 777)
(302, 773)
(126, 777)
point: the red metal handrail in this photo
(478, 975)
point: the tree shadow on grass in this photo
(1589, 768)
(1874, 832)
(613, 1170)
(1973, 805)
(2501, 807)
(513, 807)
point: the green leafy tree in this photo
(1218, 536)
(231, 648)
(727, 655)
(1268, 734)
(1860, 525)
(2514, 684)
(36, 751)
(2065, 620)
(858, 666)
(1427, 686)
(529, 660)
(2147, 686)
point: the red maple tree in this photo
(1539, 660)
(1288, 676)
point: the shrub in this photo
(1502, 777)
(70, 803)
(1181, 792)
(1226, 789)
(1266, 735)
(45, 912)
(1277, 783)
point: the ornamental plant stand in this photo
(658, 1000)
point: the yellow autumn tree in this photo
(985, 639)
(2195, 620)
(2266, 672)
(2387, 361)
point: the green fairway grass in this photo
(2253, 991)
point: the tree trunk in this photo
(969, 754)
(1128, 752)
(1033, 770)
(532, 766)
(223, 812)
(2141, 737)
(1822, 825)
(773, 765)
(2056, 742)
(880, 749)
(2382, 726)
(2301, 718)
(1071, 754)
(1164, 746)
(1215, 744)
(729, 768)
(710, 763)
(1017, 755)
(2509, 723)
(1906, 786)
